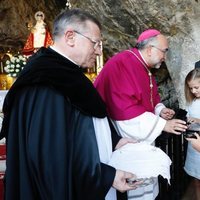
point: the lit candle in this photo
(97, 60)
(101, 61)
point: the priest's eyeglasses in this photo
(97, 44)
(162, 50)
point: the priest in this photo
(57, 134)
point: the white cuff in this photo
(158, 108)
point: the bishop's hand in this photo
(175, 126)
(167, 113)
(124, 141)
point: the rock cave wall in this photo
(123, 21)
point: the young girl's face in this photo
(194, 86)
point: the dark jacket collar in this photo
(51, 69)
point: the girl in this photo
(192, 95)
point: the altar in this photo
(2, 145)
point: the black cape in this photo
(50, 136)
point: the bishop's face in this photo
(158, 52)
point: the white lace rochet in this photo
(143, 160)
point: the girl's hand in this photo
(193, 120)
(195, 141)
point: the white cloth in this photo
(2, 97)
(104, 141)
(145, 161)
(145, 193)
(146, 127)
(193, 156)
(2, 141)
(158, 108)
(142, 159)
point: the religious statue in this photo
(39, 36)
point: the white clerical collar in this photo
(143, 58)
(63, 54)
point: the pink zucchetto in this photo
(147, 34)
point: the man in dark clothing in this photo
(57, 133)
(197, 64)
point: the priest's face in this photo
(90, 45)
(158, 52)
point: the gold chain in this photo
(150, 77)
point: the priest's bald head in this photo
(153, 46)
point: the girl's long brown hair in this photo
(194, 74)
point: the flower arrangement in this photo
(15, 65)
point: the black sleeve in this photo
(114, 135)
(52, 150)
(115, 140)
(108, 175)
